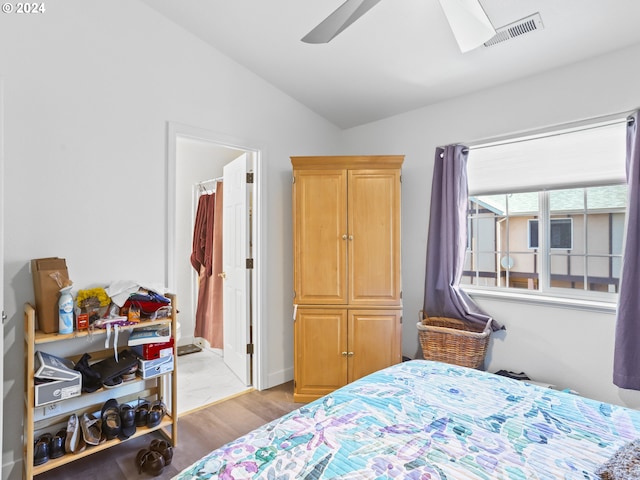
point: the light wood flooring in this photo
(199, 432)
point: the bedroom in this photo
(88, 91)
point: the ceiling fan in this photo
(467, 19)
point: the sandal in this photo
(74, 443)
(150, 462)
(91, 429)
(164, 448)
(156, 413)
(142, 412)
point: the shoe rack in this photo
(163, 387)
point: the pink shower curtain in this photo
(206, 259)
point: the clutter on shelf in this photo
(123, 302)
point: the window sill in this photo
(543, 300)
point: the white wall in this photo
(89, 88)
(570, 348)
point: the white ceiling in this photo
(401, 55)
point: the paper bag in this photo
(47, 290)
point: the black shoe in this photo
(41, 450)
(142, 412)
(56, 444)
(127, 420)
(156, 413)
(90, 378)
(164, 448)
(150, 462)
(111, 424)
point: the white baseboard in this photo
(278, 378)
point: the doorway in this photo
(194, 157)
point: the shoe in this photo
(164, 448)
(156, 414)
(112, 382)
(91, 429)
(150, 462)
(57, 444)
(41, 449)
(110, 415)
(90, 378)
(127, 421)
(74, 443)
(142, 412)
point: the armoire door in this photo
(374, 341)
(320, 350)
(320, 236)
(374, 237)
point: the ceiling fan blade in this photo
(470, 24)
(341, 18)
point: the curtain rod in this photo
(597, 122)
(211, 180)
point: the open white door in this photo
(235, 253)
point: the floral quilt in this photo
(428, 420)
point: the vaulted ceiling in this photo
(401, 55)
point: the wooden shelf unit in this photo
(151, 389)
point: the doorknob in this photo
(222, 275)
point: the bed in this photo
(429, 420)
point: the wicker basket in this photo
(453, 341)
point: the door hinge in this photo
(293, 179)
(294, 384)
(249, 177)
(4, 316)
(249, 263)
(249, 348)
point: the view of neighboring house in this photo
(584, 234)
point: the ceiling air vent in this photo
(526, 25)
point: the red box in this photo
(82, 321)
(151, 351)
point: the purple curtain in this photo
(626, 359)
(447, 240)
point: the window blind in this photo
(591, 156)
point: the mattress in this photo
(429, 420)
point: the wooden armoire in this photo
(347, 281)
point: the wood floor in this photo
(198, 433)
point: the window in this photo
(557, 229)
(561, 233)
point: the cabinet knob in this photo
(350, 354)
(350, 237)
(344, 354)
(344, 237)
(222, 275)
